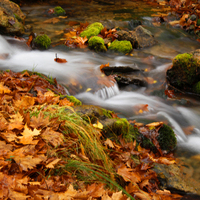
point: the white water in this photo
(125, 103)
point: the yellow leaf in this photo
(98, 125)
(88, 89)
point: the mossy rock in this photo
(74, 100)
(184, 72)
(42, 42)
(197, 87)
(59, 11)
(166, 139)
(121, 46)
(97, 43)
(92, 30)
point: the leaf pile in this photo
(47, 151)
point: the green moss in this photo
(185, 67)
(121, 46)
(167, 138)
(96, 25)
(198, 22)
(18, 17)
(74, 100)
(97, 43)
(92, 30)
(107, 113)
(42, 41)
(197, 87)
(59, 11)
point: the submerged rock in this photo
(139, 37)
(11, 18)
(185, 72)
(125, 75)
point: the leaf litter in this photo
(47, 151)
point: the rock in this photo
(134, 23)
(172, 177)
(11, 18)
(125, 75)
(121, 46)
(97, 43)
(92, 30)
(193, 17)
(139, 37)
(185, 72)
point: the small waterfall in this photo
(108, 92)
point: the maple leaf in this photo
(9, 136)
(4, 89)
(27, 136)
(39, 121)
(128, 174)
(5, 148)
(29, 162)
(16, 121)
(25, 102)
(109, 143)
(53, 137)
(3, 123)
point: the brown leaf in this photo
(25, 102)
(109, 143)
(53, 137)
(29, 162)
(39, 121)
(128, 174)
(16, 122)
(51, 164)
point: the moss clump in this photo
(197, 87)
(107, 113)
(59, 11)
(74, 100)
(121, 46)
(96, 25)
(42, 41)
(97, 43)
(167, 138)
(184, 69)
(92, 30)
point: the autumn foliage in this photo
(48, 152)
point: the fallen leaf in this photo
(109, 143)
(60, 60)
(4, 89)
(98, 125)
(51, 164)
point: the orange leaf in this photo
(102, 66)
(27, 136)
(40, 121)
(60, 60)
(51, 164)
(16, 121)
(25, 102)
(30, 39)
(4, 89)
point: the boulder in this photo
(139, 37)
(173, 177)
(125, 75)
(11, 18)
(185, 72)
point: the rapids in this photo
(123, 102)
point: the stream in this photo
(180, 113)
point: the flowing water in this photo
(83, 65)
